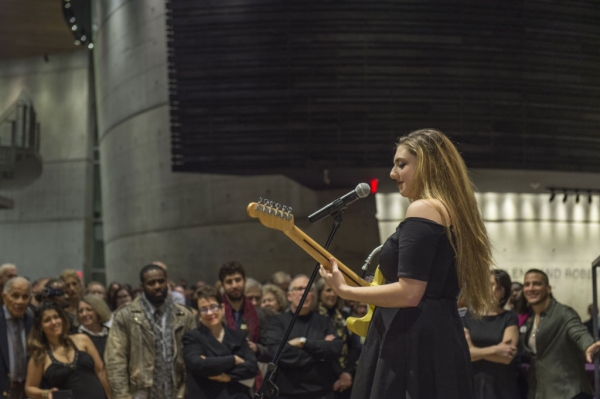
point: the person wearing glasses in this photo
(218, 361)
(309, 361)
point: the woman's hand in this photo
(238, 360)
(221, 377)
(506, 349)
(334, 278)
(48, 393)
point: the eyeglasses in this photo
(212, 308)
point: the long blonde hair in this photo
(441, 174)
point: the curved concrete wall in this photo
(191, 222)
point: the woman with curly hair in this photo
(69, 363)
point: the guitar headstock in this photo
(271, 215)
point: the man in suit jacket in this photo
(15, 323)
(557, 341)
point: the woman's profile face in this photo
(497, 289)
(52, 324)
(403, 172)
(269, 302)
(87, 315)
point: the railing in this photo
(20, 161)
(19, 135)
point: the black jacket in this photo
(218, 359)
(5, 361)
(309, 370)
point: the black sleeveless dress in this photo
(419, 352)
(79, 376)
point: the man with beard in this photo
(240, 314)
(307, 363)
(558, 342)
(144, 347)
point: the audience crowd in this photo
(160, 339)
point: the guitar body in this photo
(360, 325)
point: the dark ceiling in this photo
(30, 28)
(318, 91)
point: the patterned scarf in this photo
(250, 318)
(162, 377)
(340, 328)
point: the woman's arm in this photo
(504, 352)
(35, 373)
(84, 342)
(406, 293)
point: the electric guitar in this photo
(278, 217)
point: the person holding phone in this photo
(70, 363)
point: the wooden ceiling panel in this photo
(30, 28)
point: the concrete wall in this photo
(46, 231)
(191, 222)
(528, 231)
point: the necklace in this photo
(535, 327)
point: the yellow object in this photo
(360, 325)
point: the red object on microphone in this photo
(374, 183)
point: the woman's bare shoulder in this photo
(80, 340)
(428, 209)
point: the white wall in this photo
(528, 231)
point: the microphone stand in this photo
(268, 389)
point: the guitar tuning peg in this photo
(277, 209)
(264, 203)
(289, 213)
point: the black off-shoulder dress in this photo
(419, 352)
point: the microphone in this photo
(361, 191)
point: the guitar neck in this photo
(320, 254)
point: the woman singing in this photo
(416, 347)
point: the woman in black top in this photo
(218, 360)
(67, 362)
(416, 346)
(93, 313)
(493, 343)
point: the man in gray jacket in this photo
(144, 348)
(559, 344)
